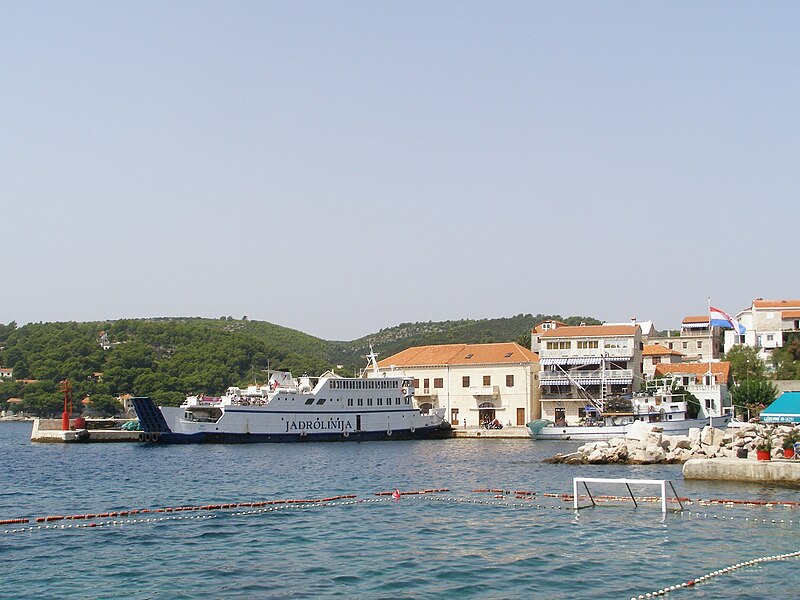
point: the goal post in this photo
(661, 483)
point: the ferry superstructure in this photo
(327, 408)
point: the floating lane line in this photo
(708, 576)
(499, 494)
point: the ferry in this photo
(376, 406)
(613, 418)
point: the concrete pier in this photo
(49, 430)
(778, 471)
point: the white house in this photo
(708, 382)
(768, 324)
(474, 382)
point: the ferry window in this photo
(438, 382)
(509, 381)
(465, 381)
(310, 401)
(407, 401)
(321, 401)
(369, 401)
(349, 402)
(361, 402)
(398, 401)
(487, 380)
(380, 401)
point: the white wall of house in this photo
(510, 390)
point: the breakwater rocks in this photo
(645, 444)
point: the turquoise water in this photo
(449, 546)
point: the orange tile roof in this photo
(658, 350)
(592, 331)
(790, 314)
(538, 328)
(695, 319)
(720, 370)
(456, 354)
(759, 303)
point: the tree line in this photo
(169, 358)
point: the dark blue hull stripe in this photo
(218, 437)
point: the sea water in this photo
(456, 544)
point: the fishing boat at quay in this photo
(376, 406)
(614, 417)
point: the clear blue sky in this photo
(340, 167)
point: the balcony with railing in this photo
(588, 356)
(586, 377)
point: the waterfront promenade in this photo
(508, 432)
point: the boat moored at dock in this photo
(327, 408)
(614, 418)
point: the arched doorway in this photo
(425, 408)
(486, 413)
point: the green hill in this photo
(168, 358)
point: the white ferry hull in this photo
(335, 410)
(606, 432)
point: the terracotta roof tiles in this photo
(591, 331)
(695, 319)
(659, 350)
(760, 303)
(720, 370)
(460, 354)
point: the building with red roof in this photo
(474, 382)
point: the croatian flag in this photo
(722, 319)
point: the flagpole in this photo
(711, 340)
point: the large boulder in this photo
(653, 439)
(638, 430)
(694, 436)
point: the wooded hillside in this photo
(168, 358)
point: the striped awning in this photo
(554, 382)
(583, 381)
(695, 325)
(576, 360)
